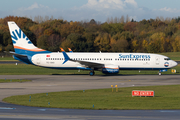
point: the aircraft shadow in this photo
(112, 74)
(94, 75)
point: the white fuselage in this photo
(127, 61)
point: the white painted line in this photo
(42, 109)
(168, 111)
(7, 108)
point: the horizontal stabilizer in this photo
(66, 57)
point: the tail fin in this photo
(21, 43)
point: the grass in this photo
(13, 80)
(173, 55)
(23, 69)
(7, 59)
(166, 97)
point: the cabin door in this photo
(38, 59)
(157, 60)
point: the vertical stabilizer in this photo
(21, 43)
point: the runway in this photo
(53, 83)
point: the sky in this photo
(85, 10)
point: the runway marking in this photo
(7, 108)
(42, 109)
(168, 111)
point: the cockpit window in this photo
(167, 59)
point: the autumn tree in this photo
(112, 28)
(54, 41)
(42, 42)
(116, 34)
(80, 43)
(135, 45)
(120, 45)
(157, 42)
(1, 48)
(145, 46)
(130, 26)
(176, 44)
(67, 44)
(102, 42)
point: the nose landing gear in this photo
(164, 70)
(159, 73)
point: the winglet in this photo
(62, 49)
(70, 50)
(66, 57)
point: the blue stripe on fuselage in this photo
(24, 59)
(27, 55)
(142, 68)
(27, 52)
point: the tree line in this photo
(115, 35)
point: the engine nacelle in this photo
(110, 69)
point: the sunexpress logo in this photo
(131, 56)
(17, 35)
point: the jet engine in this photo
(110, 69)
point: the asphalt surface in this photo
(53, 83)
(35, 113)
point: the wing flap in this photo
(89, 64)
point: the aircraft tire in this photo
(91, 73)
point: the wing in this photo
(84, 63)
(89, 64)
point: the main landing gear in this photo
(91, 73)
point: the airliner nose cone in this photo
(175, 63)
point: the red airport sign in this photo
(142, 93)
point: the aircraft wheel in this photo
(91, 73)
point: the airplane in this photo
(107, 63)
